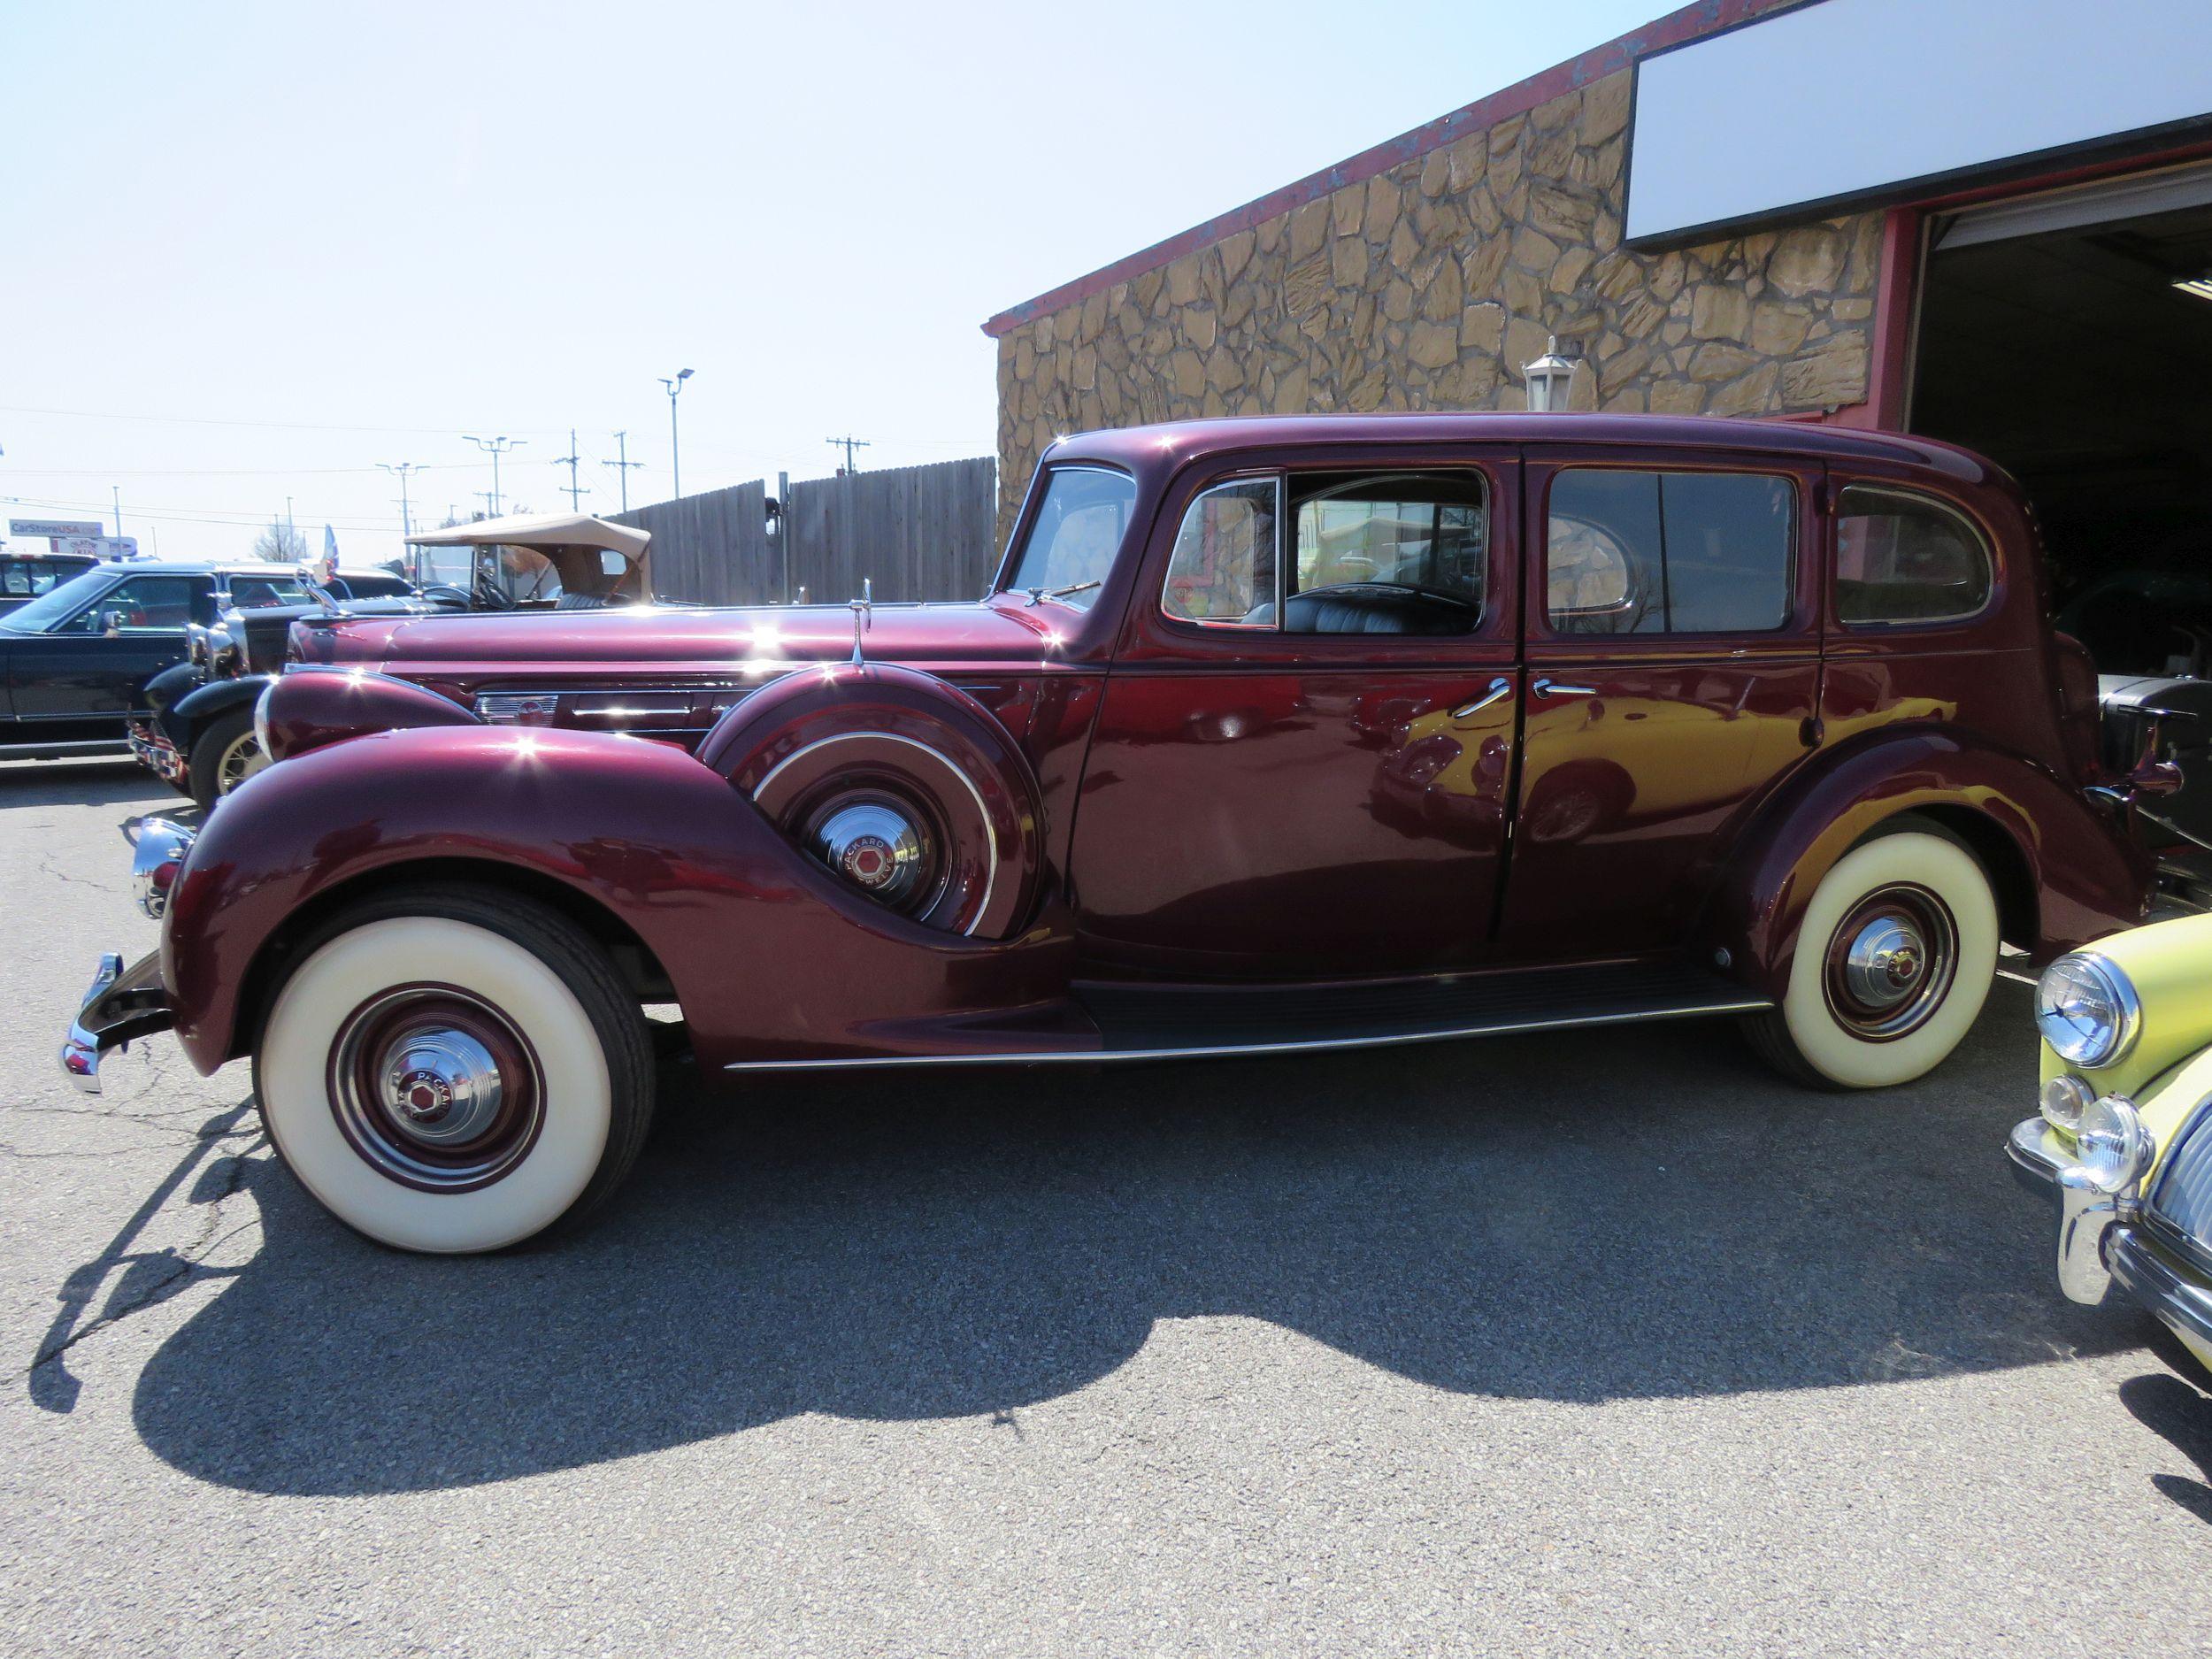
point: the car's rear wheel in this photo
(450, 1070)
(227, 754)
(1894, 958)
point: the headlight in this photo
(2114, 1147)
(2065, 1099)
(261, 719)
(2086, 1010)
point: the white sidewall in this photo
(1952, 874)
(408, 950)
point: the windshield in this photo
(57, 603)
(1079, 527)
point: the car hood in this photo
(646, 640)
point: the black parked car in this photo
(75, 661)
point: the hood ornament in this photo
(864, 617)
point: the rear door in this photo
(1672, 619)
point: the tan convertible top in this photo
(542, 530)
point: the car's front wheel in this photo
(450, 1070)
(1895, 959)
(227, 754)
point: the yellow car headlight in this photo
(2087, 1009)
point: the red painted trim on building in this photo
(1677, 28)
(1896, 307)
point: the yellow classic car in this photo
(2123, 1139)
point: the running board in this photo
(1158, 1022)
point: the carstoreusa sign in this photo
(54, 527)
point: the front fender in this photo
(2085, 877)
(186, 718)
(771, 955)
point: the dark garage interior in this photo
(2076, 356)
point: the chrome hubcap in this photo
(875, 848)
(436, 1088)
(1885, 962)
(444, 1085)
(1891, 962)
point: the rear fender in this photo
(2071, 872)
(770, 955)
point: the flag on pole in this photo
(330, 553)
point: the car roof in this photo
(200, 567)
(1183, 439)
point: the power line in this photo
(212, 420)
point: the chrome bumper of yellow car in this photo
(2163, 1280)
(2043, 1163)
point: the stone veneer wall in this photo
(1429, 286)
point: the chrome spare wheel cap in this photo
(443, 1084)
(874, 847)
(1884, 962)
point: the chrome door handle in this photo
(1549, 687)
(1498, 688)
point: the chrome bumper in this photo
(2161, 1281)
(120, 1004)
(2044, 1163)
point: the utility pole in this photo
(622, 467)
(406, 524)
(571, 461)
(495, 448)
(849, 445)
(490, 498)
(675, 450)
(118, 488)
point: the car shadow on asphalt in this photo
(86, 782)
(1641, 1212)
(2174, 1407)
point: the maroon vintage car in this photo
(1274, 734)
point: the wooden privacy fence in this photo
(914, 532)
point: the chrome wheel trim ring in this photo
(435, 1088)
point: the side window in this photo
(145, 604)
(1669, 552)
(1223, 572)
(1903, 558)
(1404, 553)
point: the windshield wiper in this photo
(1038, 596)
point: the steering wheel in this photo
(447, 594)
(484, 596)
(1460, 600)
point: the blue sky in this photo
(257, 249)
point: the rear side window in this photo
(1905, 559)
(1630, 552)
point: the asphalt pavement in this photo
(1597, 1343)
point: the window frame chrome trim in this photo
(1273, 476)
(1033, 503)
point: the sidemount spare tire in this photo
(901, 783)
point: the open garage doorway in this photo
(2068, 337)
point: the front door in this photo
(1301, 760)
(1673, 678)
(77, 680)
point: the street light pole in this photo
(675, 452)
(496, 448)
(414, 555)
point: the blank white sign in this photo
(1848, 97)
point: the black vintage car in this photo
(76, 660)
(196, 730)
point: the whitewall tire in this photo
(1894, 962)
(447, 1070)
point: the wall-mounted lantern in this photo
(1548, 378)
